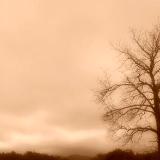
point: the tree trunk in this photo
(157, 116)
(158, 134)
(158, 137)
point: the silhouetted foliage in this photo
(114, 155)
(28, 156)
(126, 155)
(117, 154)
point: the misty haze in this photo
(80, 80)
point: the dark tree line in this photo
(28, 156)
(114, 155)
(126, 155)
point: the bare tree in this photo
(139, 89)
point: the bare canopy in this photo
(139, 89)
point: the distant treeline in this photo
(126, 155)
(28, 156)
(114, 155)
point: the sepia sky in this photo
(52, 53)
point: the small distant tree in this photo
(139, 89)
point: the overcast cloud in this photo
(51, 56)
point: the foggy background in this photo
(52, 54)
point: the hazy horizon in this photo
(52, 54)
